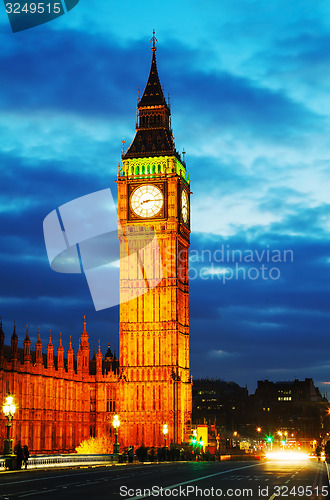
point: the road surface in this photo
(255, 480)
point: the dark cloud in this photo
(242, 330)
(262, 324)
(81, 73)
(72, 72)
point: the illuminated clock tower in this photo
(154, 198)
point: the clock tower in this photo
(154, 234)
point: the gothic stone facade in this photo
(60, 400)
(59, 406)
(154, 194)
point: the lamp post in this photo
(194, 442)
(258, 429)
(165, 431)
(9, 410)
(116, 424)
(283, 438)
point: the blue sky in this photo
(249, 86)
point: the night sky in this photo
(249, 85)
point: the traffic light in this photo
(193, 440)
(269, 439)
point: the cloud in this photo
(267, 323)
(249, 96)
(218, 353)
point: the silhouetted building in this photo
(270, 393)
(296, 406)
(218, 402)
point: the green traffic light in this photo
(193, 440)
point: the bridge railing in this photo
(40, 461)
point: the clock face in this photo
(184, 205)
(147, 201)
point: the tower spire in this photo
(153, 93)
(14, 343)
(60, 355)
(39, 358)
(153, 130)
(2, 341)
(27, 346)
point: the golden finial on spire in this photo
(153, 41)
(27, 331)
(39, 339)
(184, 156)
(99, 354)
(123, 143)
(84, 331)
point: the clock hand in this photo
(147, 201)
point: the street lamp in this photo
(9, 410)
(116, 424)
(283, 437)
(193, 438)
(258, 429)
(165, 431)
